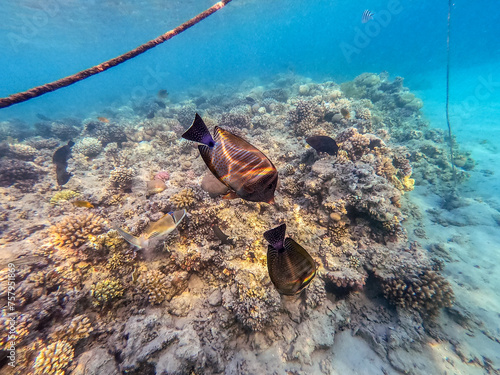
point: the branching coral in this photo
(53, 359)
(121, 178)
(75, 231)
(302, 117)
(103, 292)
(160, 287)
(183, 198)
(355, 144)
(13, 329)
(426, 294)
(254, 305)
(78, 329)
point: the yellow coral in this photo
(184, 198)
(54, 359)
(408, 183)
(63, 196)
(75, 231)
(78, 329)
(105, 291)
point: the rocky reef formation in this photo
(192, 304)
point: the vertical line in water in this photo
(448, 93)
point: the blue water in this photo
(46, 40)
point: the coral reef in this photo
(53, 359)
(427, 293)
(183, 199)
(121, 178)
(104, 292)
(63, 196)
(75, 231)
(88, 146)
(174, 307)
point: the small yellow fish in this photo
(103, 119)
(154, 231)
(83, 204)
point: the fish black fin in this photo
(198, 132)
(276, 236)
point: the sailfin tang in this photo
(276, 236)
(198, 132)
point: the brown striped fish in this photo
(290, 266)
(246, 171)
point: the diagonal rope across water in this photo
(66, 81)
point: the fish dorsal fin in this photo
(276, 236)
(198, 132)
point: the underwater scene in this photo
(249, 187)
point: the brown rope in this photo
(66, 81)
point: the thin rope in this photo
(448, 93)
(63, 82)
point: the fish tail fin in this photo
(178, 216)
(198, 132)
(131, 239)
(276, 236)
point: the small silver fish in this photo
(367, 16)
(154, 231)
